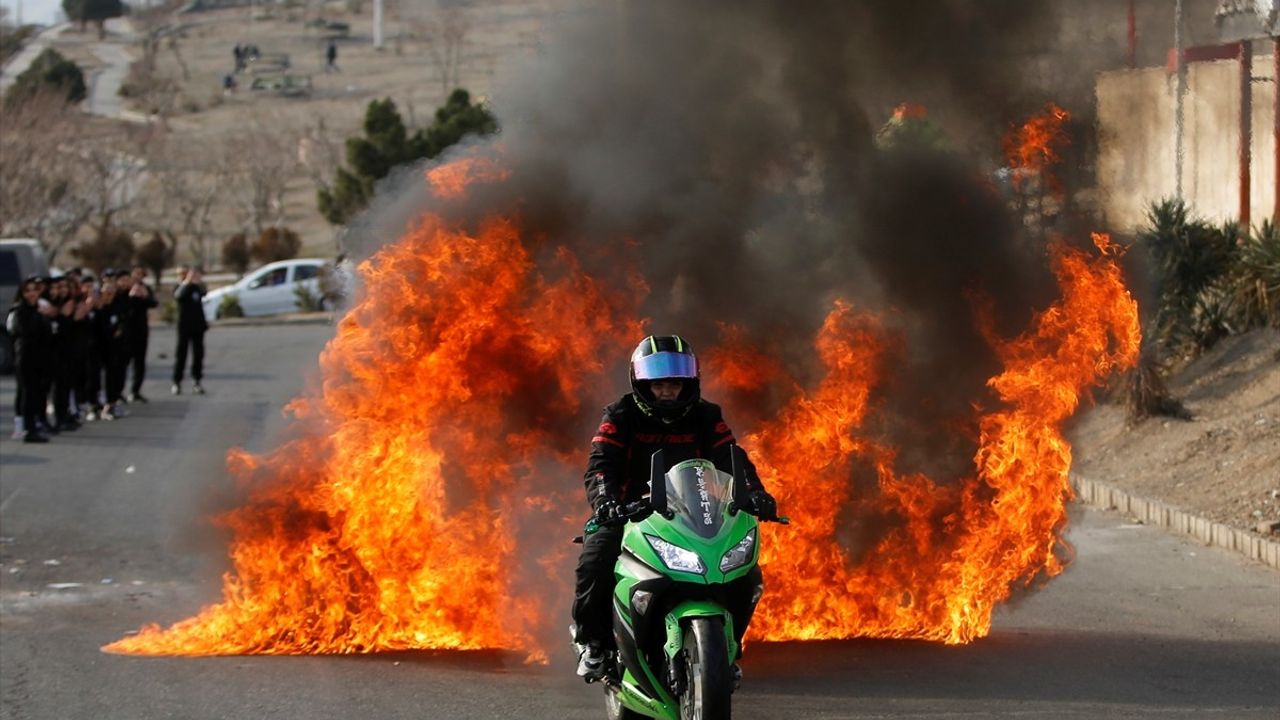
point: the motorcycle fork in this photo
(673, 649)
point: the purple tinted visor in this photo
(666, 365)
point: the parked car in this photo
(19, 259)
(271, 289)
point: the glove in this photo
(606, 510)
(761, 504)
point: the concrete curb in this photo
(1154, 512)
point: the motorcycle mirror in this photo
(658, 483)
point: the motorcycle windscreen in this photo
(698, 493)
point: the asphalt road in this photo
(1142, 625)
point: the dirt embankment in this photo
(1224, 464)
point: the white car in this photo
(271, 289)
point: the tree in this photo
(276, 244)
(49, 71)
(95, 11)
(186, 186)
(261, 157)
(443, 25)
(235, 253)
(386, 145)
(45, 193)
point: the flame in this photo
(450, 181)
(909, 110)
(422, 497)
(1032, 150)
(955, 550)
(392, 522)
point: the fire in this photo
(450, 181)
(391, 522)
(955, 550)
(1032, 150)
(423, 498)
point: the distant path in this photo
(103, 83)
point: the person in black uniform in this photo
(664, 411)
(191, 328)
(28, 324)
(113, 334)
(62, 359)
(142, 299)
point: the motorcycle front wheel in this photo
(707, 694)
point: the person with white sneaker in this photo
(189, 296)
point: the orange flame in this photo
(392, 522)
(431, 456)
(1032, 150)
(955, 551)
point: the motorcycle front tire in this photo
(708, 692)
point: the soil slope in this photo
(1224, 464)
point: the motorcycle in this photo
(687, 585)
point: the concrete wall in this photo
(1136, 141)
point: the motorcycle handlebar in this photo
(640, 510)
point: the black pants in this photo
(593, 591)
(196, 340)
(90, 387)
(138, 358)
(117, 359)
(64, 375)
(29, 396)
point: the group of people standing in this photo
(76, 338)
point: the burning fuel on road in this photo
(897, 357)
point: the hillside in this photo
(1223, 464)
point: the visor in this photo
(665, 365)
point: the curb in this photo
(1154, 512)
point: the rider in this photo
(664, 411)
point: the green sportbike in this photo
(687, 585)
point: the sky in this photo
(43, 12)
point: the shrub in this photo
(1192, 259)
(229, 307)
(169, 311)
(276, 244)
(235, 253)
(49, 71)
(155, 254)
(111, 249)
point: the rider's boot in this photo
(590, 662)
(736, 671)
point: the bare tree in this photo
(44, 191)
(114, 166)
(261, 158)
(184, 193)
(443, 25)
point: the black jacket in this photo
(138, 329)
(32, 335)
(627, 438)
(190, 300)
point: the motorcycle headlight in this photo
(676, 557)
(739, 554)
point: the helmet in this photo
(664, 357)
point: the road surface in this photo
(1143, 624)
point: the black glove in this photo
(761, 504)
(607, 510)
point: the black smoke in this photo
(726, 151)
